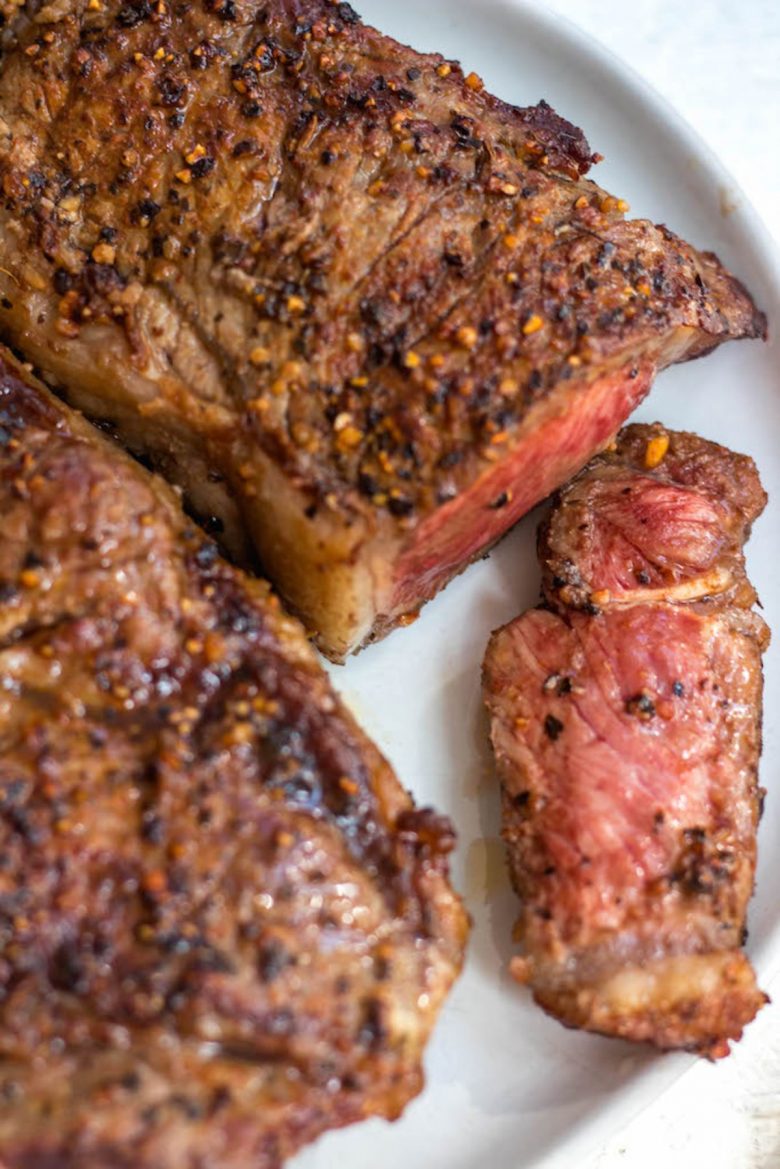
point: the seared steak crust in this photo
(626, 721)
(224, 926)
(366, 313)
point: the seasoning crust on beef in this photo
(626, 723)
(225, 928)
(364, 312)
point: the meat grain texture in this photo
(224, 927)
(626, 723)
(364, 312)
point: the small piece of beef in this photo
(224, 927)
(626, 724)
(365, 313)
(663, 517)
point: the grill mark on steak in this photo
(218, 908)
(631, 830)
(289, 318)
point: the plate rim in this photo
(584, 1135)
(646, 1085)
(765, 248)
(582, 1139)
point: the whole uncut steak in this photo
(224, 928)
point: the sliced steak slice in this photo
(662, 517)
(225, 928)
(626, 724)
(364, 312)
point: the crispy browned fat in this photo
(364, 312)
(224, 926)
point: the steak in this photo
(626, 722)
(225, 927)
(365, 313)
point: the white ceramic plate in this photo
(509, 1088)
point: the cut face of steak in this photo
(364, 312)
(626, 723)
(225, 928)
(660, 520)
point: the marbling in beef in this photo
(364, 312)
(626, 722)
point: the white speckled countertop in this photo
(718, 62)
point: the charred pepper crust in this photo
(295, 691)
(241, 668)
(330, 743)
(351, 445)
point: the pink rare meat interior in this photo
(365, 313)
(626, 723)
